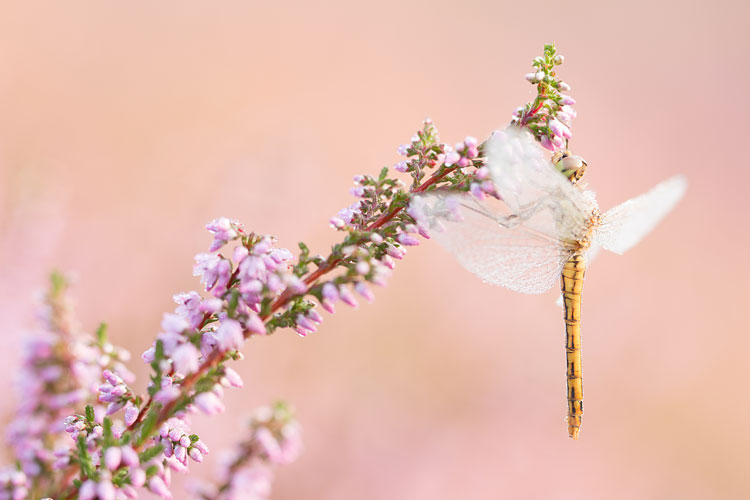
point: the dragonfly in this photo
(541, 227)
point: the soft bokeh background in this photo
(125, 127)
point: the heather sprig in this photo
(550, 115)
(247, 471)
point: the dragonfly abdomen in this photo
(572, 286)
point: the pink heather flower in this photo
(305, 323)
(567, 100)
(302, 332)
(337, 222)
(240, 253)
(196, 455)
(188, 307)
(328, 306)
(172, 323)
(565, 118)
(388, 262)
(295, 284)
(268, 444)
(557, 141)
(129, 456)
(229, 335)
(451, 158)
(87, 491)
(128, 491)
(105, 490)
(232, 377)
(115, 407)
(209, 403)
(395, 252)
(483, 173)
(201, 446)
(346, 296)
(254, 324)
(186, 359)
(315, 316)
(376, 238)
(224, 230)
(559, 129)
(330, 292)
(137, 477)
(263, 246)
(357, 191)
(167, 395)
(476, 190)
(401, 166)
(547, 143)
(214, 272)
(281, 255)
(362, 267)
(364, 291)
(569, 110)
(112, 458)
(156, 485)
(403, 150)
(564, 87)
(211, 305)
(408, 239)
(149, 355)
(180, 453)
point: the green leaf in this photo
(148, 424)
(159, 351)
(120, 477)
(87, 468)
(383, 174)
(101, 334)
(90, 414)
(234, 300)
(150, 453)
(107, 434)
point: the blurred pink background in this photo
(125, 127)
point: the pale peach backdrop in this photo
(126, 126)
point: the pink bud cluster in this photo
(13, 484)
(179, 445)
(247, 472)
(462, 153)
(550, 116)
(61, 370)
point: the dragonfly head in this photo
(571, 166)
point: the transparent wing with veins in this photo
(626, 224)
(523, 241)
(524, 177)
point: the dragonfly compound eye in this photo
(572, 166)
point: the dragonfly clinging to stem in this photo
(543, 227)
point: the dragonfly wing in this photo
(524, 177)
(496, 246)
(626, 224)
